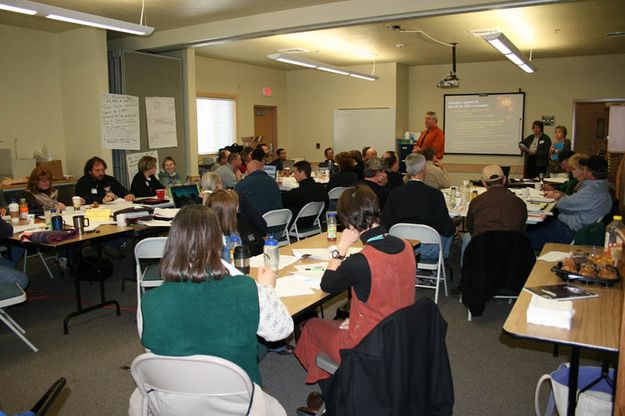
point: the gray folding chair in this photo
(333, 195)
(279, 218)
(426, 235)
(311, 209)
(148, 276)
(11, 294)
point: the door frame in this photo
(589, 101)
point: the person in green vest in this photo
(206, 306)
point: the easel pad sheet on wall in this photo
(484, 124)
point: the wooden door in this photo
(591, 128)
(266, 125)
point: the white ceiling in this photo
(554, 30)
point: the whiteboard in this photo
(356, 128)
(484, 124)
(616, 129)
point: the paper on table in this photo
(322, 253)
(166, 212)
(554, 256)
(285, 261)
(309, 280)
(540, 199)
(28, 227)
(98, 215)
(316, 267)
(288, 286)
(156, 223)
(535, 207)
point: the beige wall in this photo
(549, 91)
(84, 77)
(50, 93)
(30, 92)
(314, 95)
(401, 100)
(246, 83)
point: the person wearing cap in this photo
(376, 179)
(590, 203)
(497, 209)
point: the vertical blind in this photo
(216, 124)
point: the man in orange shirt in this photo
(431, 136)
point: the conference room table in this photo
(596, 323)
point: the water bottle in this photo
(14, 211)
(613, 244)
(23, 211)
(272, 254)
(331, 219)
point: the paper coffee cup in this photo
(121, 220)
(76, 202)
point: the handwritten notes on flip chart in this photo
(120, 122)
(161, 118)
(132, 161)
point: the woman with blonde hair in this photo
(145, 183)
(39, 193)
(208, 307)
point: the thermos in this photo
(242, 259)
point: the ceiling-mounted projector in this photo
(450, 81)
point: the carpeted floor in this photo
(493, 373)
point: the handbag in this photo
(595, 384)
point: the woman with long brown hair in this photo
(205, 305)
(39, 193)
(225, 203)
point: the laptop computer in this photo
(185, 195)
(270, 170)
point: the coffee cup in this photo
(80, 222)
(57, 222)
(121, 220)
(160, 194)
(76, 203)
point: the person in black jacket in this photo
(145, 183)
(346, 175)
(307, 191)
(97, 186)
(376, 179)
(537, 155)
(391, 165)
(417, 203)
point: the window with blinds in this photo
(216, 123)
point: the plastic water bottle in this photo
(272, 254)
(613, 244)
(23, 211)
(14, 211)
(331, 219)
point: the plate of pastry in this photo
(584, 267)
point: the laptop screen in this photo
(185, 195)
(270, 170)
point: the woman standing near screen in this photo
(536, 150)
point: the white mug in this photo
(121, 220)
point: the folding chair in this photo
(311, 209)
(426, 235)
(43, 260)
(149, 276)
(192, 385)
(279, 218)
(11, 294)
(333, 196)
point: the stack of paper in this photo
(547, 312)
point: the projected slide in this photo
(490, 124)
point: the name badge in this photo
(94, 191)
(541, 142)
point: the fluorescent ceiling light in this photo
(72, 16)
(309, 63)
(500, 42)
(17, 9)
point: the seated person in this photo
(591, 203)
(497, 209)
(307, 191)
(246, 157)
(96, 186)
(222, 159)
(368, 153)
(391, 165)
(8, 274)
(250, 224)
(329, 163)
(205, 307)
(261, 153)
(417, 203)
(376, 179)
(229, 172)
(572, 167)
(168, 176)
(225, 203)
(260, 189)
(381, 279)
(145, 183)
(435, 173)
(346, 175)
(39, 193)
(360, 163)
(281, 161)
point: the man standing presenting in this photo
(260, 189)
(497, 209)
(97, 186)
(230, 173)
(432, 136)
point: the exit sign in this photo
(266, 91)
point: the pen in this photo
(549, 293)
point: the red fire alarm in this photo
(266, 91)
